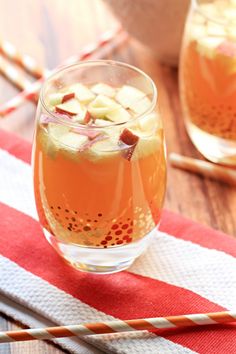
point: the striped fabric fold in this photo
(188, 269)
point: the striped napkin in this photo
(188, 269)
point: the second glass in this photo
(99, 164)
(208, 78)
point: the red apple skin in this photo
(68, 97)
(62, 111)
(87, 117)
(130, 139)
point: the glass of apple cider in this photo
(208, 78)
(99, 164)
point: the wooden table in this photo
(52, 30)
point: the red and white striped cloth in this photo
(188, 269)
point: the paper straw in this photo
(13, 75)
(31, 93)
(207, 169)
(25, 61)
(119, 326)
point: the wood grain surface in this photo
(52, 30)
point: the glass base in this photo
(100, 260)
(213, 148)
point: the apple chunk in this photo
(149, 123)
(67, 97)
(71, 107)
(58, 98)
(119, 115)
(73, 141)
(130, 139)
(141, 105)
(207, 46)
(103, 89)
(82, 93)
(128, 95)
(101, 106)
(55, 98)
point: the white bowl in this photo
(158, 24)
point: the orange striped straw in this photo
(204, 168)
(8, 50)
(32, 91)
(119, 326)
(13, 75)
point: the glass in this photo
(208, 79)
(99, 205)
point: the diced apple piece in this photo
(87, 117)
(82, 93)
(231, 31)
(55, 98)
(83, 117)
(130, 139)
(101, 106)
(58, 98)
(104, 101)
(209, 10)
(229, 13)
(127, 95)
(208, 46)
(98, 112)
(147, 145)
(198, 18)
(103, 89)
(197, 31)
(67, 97)
(102, 122)
(73, 141)
(148, 123)
(55, 131)
(214, 29)
(143, 145)
(140, 106)
(71, 107)
(103, 149)
(119, 115)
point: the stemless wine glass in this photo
(208, 78)
(99, 201)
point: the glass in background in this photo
(208, 79)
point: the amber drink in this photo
(99, 164)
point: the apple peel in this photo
(71, 107)
(68, 97)
(129, 139)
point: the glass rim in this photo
(196, 4)
(62, 69)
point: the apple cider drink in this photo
(99, 166)
(208, 79)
